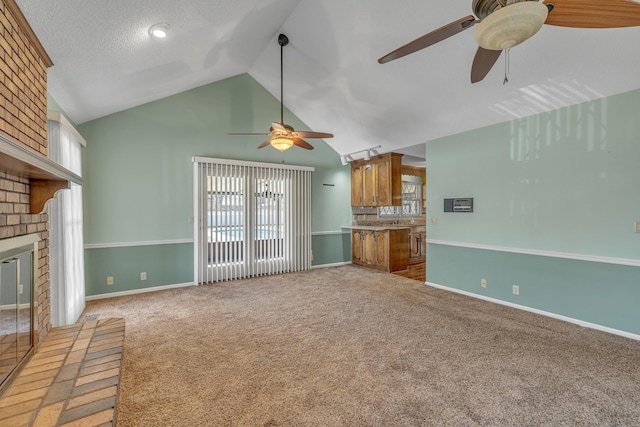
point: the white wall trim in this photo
(143, 243)
(138, 291)
(552, 254)
(335, 264)
(540, 312)
(22, 306)
(328, 233)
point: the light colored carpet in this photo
(349, 346)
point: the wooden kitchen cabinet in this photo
(356, 246)
(417, 245)
(357, 182)
(378, 181)
(385, 250)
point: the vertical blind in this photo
(250, 219)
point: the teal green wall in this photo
(599, 293)
(53, 105)
(138, 169)
(563, 181)
(164, 265)
(331, 248)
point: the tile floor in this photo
(72, 380)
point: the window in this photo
(66, 241)
(411, 203)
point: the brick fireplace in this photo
(28, 179)
(23, 119)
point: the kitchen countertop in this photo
(377, 227)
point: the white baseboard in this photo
(335, 264)
(541, 312)
(21, 306)
(138, 291)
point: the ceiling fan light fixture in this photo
(159, 31)
(511, 25)
(282, 143)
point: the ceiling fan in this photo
(503, 24)
(281, 135)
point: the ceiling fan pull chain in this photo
(506, 67)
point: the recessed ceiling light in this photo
(160, 30)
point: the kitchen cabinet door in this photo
(382, 173)
(370, 248)
(378, 181)
(381, 243)
(369, 185)
(356, 246)
(357, 198)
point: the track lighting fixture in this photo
(346, 158)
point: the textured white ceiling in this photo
(106, 62)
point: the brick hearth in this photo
(72, 380)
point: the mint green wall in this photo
(138, 170)
(599, 293)
(563, 181)
(331, 248)
(53, 105)
(331, 190)
(164, 265)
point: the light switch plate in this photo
(636, 226)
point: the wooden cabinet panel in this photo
(370, 249)
(416, 245)
(369, 185)
(383, 183)
(378, 181)
(357, 186)
(398, 249)
(386, 250)
(356, 246)
(382, 249)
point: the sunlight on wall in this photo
(538, 98)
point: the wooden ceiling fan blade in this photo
(265, 143)
(483, 62)
(594, 13)
(302, 144)
(431, 38)
(309, 134)
(278, 126)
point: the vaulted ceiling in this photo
(105, 61)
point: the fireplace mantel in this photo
(45, 176)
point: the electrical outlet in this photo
(143, 275)
(20, 289)
(483, 283)
(109, 280)
(516, 290)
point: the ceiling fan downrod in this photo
(282, 41)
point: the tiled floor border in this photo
(72, 380)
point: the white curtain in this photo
(251, 219)
(66, 241)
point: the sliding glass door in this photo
(251, 219)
